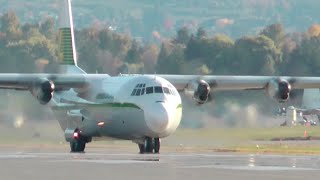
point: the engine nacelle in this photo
(279, 89)
(199, 91)
(43, 90)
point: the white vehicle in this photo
(309, 111)
(310, 102)
(140, 108)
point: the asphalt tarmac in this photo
(109, 163)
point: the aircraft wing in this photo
(242, 82)
(28, 81)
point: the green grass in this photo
(246, 140)
(276, 148)
(246, 134)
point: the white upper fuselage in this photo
(158, 99)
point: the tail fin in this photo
(66, 41)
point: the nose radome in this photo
(157, 117)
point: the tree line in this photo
(33, 47)
(270, 52)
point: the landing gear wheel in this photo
(77, 145)
(149, 145)
(156, 145)
(141, 148)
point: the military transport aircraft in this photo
(140, 108)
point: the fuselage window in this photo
(149, 90)
(166, 90)
(142, 91)
(158, 89)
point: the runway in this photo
(17, 164)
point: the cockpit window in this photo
(173, 92)
(149, 90)
(141, 89)
(166, 90)
(138, 92)
(158, 89)
(133, 92)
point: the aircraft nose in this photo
(157, 117)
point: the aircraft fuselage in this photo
(123, 107)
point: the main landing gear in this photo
(151, 145)
(78, 143)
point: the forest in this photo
(143, 18)
(33, 47)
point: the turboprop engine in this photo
(279, 90)
(43, 90)
(199, 91)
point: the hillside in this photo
(141, 18)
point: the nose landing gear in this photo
(78, 142)
(151, 145)
(77, 145)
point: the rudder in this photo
(68, 54)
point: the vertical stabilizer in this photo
(66, 40)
